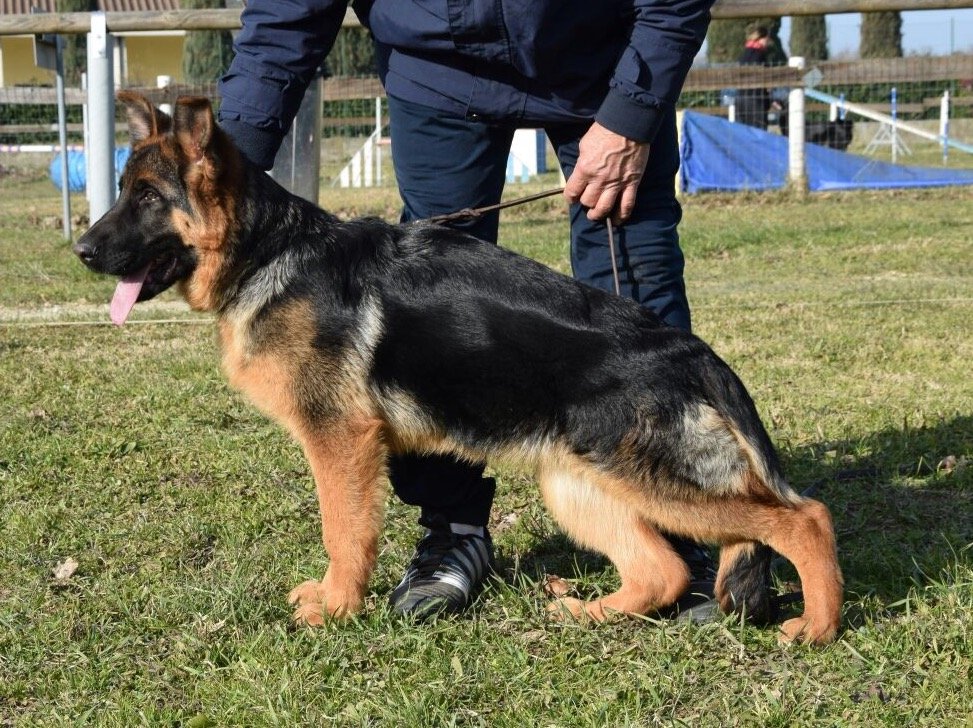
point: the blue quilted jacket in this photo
(522, 62)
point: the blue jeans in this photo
(443, 164)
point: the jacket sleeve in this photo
(666, 35)
(281, 46)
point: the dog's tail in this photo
(743, 584)
(744, 579)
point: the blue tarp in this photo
(76, 168)
(720, 156)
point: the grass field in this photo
(153, 522)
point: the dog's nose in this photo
(85, 250)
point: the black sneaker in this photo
(445, 572)
(698, 604)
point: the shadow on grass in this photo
(903, 510)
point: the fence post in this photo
(62, 136)
(297, 165)
(944, 125)
(796, 160)
(378, 139)
(894, 113)
(164, 82)
(101, 119)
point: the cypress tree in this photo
(726, 38)
(353, 54)
(809, 37)
(206, 53)
(881, 35)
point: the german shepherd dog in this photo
(364, 338)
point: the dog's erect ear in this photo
(144, 120)
(194, 125)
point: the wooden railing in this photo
(71, 23)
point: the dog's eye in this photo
(148, 196)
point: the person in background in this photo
(753, 104)
(602, 80)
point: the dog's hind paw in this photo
(567, 608)
(808, 631)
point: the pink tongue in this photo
(126, 294)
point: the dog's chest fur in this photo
(273, 355)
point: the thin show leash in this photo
(469, 213)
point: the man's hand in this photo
(607, 174)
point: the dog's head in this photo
(175, 212)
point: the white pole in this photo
(895, 129)
(368, 160)
(86, 136)
(62, 135)
(796, 162)
(101, 119)
(164, 82)
(378, 141)
(944, 124)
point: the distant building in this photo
(139, 56)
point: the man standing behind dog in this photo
(601, 78)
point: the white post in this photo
(368, 161)
(378, 141)
(101, 119)
(895, 128)
(164, 82)
(944, 124)
(797, 164)
(62, 135)
(86, 136)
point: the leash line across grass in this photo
(27, 318)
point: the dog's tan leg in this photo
(806, 539)
(652, 575)
(348, 464)
(801, 532)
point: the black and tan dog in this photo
(364, 338)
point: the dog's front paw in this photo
(308, 592)
(306, 598)
(308, 615)
(313, 607)
(808, 631)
